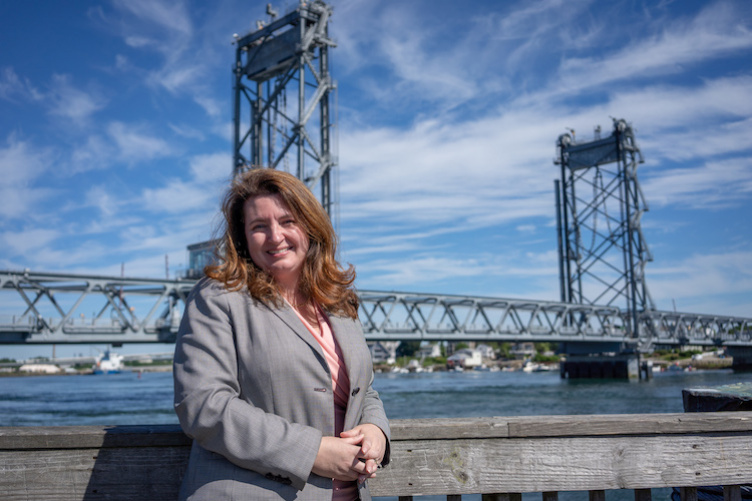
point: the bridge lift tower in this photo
(288, 53)
(602, 250)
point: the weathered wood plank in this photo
(489, 456)
(80, 437)
(561, 426)
(628, 424)
(449, 428)
(564, 464)
(61, 437)
(126, 474)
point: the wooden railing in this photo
(500, 458)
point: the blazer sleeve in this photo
(371, 408)
(208, 398)
(373, 413)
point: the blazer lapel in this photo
(343, 333)
(289, 317)
(347, 338)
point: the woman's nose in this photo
(275, 233)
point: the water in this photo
(124, 399)
(127, 398)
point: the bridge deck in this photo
(67, 308)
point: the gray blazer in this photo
(253, 389)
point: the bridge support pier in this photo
(620, 366)
(742, 356)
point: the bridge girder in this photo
(51, 308)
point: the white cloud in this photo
(99, 197)
(214, 167)
(703, 275)
(135, 144)
(72, 103)
(94, 154)
(714, 184)
(718, 30)
(27, 242)
(209, 174)
(12, 87)
(21, 164)
(169, 15)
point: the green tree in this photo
(408, 348)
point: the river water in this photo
(130, 398)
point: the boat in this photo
(108, 363)
(529, 366)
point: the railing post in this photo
(643, 495)
(596, 495)
(688, 493)
(551, 496)
(732, 493)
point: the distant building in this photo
(383, 351)
(39, 368)
(431, 350)
(465, 358)
(521, 351)
(486, 351)
(199, 256)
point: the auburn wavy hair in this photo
(322, 280)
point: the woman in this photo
(272, 372)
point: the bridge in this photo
(54, 308)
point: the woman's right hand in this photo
(338, 458)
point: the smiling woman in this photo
(275, 240)
(273, 378)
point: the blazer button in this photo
(355, 391)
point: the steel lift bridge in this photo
(605, 305)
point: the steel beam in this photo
(288, 53)
(65, 308)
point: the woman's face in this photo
(276, 242)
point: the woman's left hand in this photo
(372, 447)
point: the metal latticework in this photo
(66, 308)
(288, 54)
(602, 250)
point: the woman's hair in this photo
(322, 278)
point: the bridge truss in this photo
(63, 308)
(602, 249)
(291, 52)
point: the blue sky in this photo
(116, 123)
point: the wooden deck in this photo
(497, 457)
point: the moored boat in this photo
(108, 363)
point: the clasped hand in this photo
(355, 455)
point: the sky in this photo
(116, 136)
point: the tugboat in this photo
(108, 363)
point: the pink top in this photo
(343, 490)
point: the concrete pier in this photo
(600, 367)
